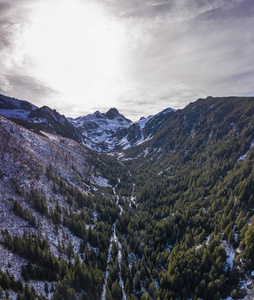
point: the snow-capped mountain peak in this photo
(99, 129)
(112, 117)
(112, 113)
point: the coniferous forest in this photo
(169, 218)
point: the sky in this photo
(140, 56)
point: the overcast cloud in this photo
(14, 81)
(163, 54)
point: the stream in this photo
(115, 239)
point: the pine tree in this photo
(69, 250)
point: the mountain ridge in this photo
(102, 132)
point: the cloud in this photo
(190, 52)
(13, 17)
(173, 9)
(27, 86)
(7, 27)
(166, 53)
(14, 78)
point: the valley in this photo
(105, 208)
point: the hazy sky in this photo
(140, 56)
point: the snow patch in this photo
(100, 181)
(208, 239)
(230, 254)
(145, 152)
(244, 156)
(197, 247)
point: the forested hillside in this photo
(194, 218)
(169, 218)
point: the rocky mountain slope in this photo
(99, 129)
(169, 216)
(112, 132)
(13, 108)
(34, 118)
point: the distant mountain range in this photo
(102, 132)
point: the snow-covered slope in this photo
(99, 129)
(111, 131)
(25, 154)
(13, 108)
(145, 128)
(32, 117)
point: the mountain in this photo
(171, 216)
(144, 129)
(112, 132)
(45, 118)
(13, 108)
(56, 196)
(102, 132)
(99, 129)
(194, 189)
(37, 119)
